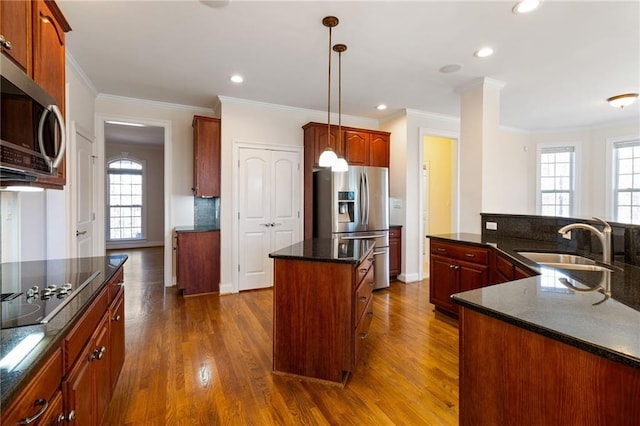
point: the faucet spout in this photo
(604, 236)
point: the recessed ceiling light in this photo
(621, 101)
(526, 6)
(381, 107)
(448, 69)
(237, 78)
(483, 52)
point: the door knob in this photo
(78, 233)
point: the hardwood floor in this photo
(206, 360)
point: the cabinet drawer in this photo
(461, 252)
(82, 331)
(362, 331)
(115, 284)
(363, 268)
(363, 294)
(38, 394)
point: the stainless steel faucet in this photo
(604, 236)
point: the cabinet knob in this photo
(5, 43)
(71, 416)
(364, 335)
(363, 299)
(31, 419)
(115, 318)
(61, 418)
(99, 353)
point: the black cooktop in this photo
(34, 292)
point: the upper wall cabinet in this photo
(33, 36)
(206, 156)
(15, 32)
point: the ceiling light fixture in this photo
(526, 6)
(236, 78)
(381, 107)
(483, 52)
(340, 165)
(448, 69)
(328, 156)
(621, 101)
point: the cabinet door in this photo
(49, 64)
(206, 156)
(443, 283)
(472, 276)
(15, 27)
(394, 254)
(116, 338)
(357, 148)
(101, 373)
(198, 260)
(78, 390)
(320, 142)
(379, 150)
(54, 415)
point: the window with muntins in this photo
(124, 185)
(557, 166)
(626, 187)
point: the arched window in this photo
(125, 200)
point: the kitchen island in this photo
(322, 307)
(559, 348)
(64, 363)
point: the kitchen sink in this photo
(563, 261)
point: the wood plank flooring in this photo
(206, 360)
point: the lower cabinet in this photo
(504, 269)
(76, 382)
(198, 262)
(455, 268)
(395, 251)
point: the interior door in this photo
(269, 211)
(84, 195)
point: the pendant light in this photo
(340, 164)
(328, 157)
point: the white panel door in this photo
(84, 196)
(269, 211)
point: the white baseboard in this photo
(133, 244)
(226, 288)
(408, 278)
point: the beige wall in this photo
(438, 153)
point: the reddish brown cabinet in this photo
(198, 261)
(206, 156)
(356, 147)
(15, 29)
(395, 251)
(455, 268)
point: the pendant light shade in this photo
(327, 158)
(340, 165)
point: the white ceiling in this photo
(559, 63)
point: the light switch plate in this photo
(493, 226)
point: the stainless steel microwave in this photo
(32, 130)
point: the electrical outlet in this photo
(567, 235)
(493, 226)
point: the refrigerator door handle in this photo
(363, 237)
(361, 198)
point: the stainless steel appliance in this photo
(355, 205)
(32, 133)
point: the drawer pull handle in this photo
(363, 270)
(45, 405)
(470, 255)
(363, 299)
(99, 353)
(364, 335)
(370, 314)
(441, 250)
(116, 318)
(371, 283)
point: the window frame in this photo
(143, 215)
(612, 186)
(574, 194)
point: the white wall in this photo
(259, 123)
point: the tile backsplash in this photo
(206, 212)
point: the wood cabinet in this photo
(504, 270)
(36, 30)
(198, 262)
(322, 314)
(395, 251)
(360, 147)
(206, 156)
(15, 29)
(510, 375)
(455, 268)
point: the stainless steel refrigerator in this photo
(355, 205)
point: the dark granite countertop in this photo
(580, 316)
(197, 228)
(326, 250)
(47, 337)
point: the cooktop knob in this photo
(32, 291)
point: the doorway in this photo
(269, 197)
(440, 188)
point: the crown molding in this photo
(157, 104)
(433, 115)
(75, 67)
